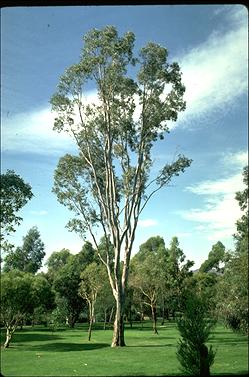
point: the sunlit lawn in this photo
(66, 352)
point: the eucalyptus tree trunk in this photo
(118, 329)
(119, 292)
(9, 333)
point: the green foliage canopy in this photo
(27, 258)
(15, 193)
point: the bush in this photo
(194, 327)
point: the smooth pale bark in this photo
(118, 329)
(142, 320)
(9, 333)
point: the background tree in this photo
(204, 285)
(57, 260)
(241, 236)
(108, 183)
(17, 300)
(154, 245)
(176, 273)
(44, 299)
(215, 257)
(87, 254)
(105, 303)
(232, 290)
(148, 274)
(66, 284)
(29, 257)
(146, 278)
(92, 278)
(15, 193)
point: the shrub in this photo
(194, 327)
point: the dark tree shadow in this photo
(67, 347)
(153, 345)
(28, 337)
(243, 373)
(227, 340)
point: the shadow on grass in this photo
(67, 347)
(153, 345)
(242, 373)
(48, 330)
(228, 340)
(26, 337)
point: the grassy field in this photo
(66, 352)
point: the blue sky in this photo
(210, 44)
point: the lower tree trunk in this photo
(8, 338)
(91, 319)
(118, 330)
(90, 329)
(142, 319)
(154, 318)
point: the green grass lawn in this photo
(66, 352)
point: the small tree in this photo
(17, 300)
(193, 354)
(90, 285)
(146, 277)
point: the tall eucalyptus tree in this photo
(109, 183)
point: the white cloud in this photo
(217, 187)
(236, 160)
(217, 216)
(33, 132)
(147, 223)
(215, 72)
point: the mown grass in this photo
(67, 352)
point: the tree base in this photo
(116, 344)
